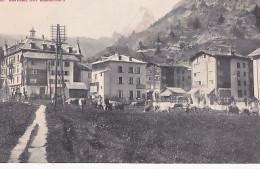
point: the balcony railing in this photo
(140, 86)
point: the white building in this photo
(256, 71)
(119, 77)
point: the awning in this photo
(166, 93)
(207, 90)
(176, 90)
(79, 86)
(193, 91)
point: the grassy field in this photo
(14, 119)
(135, 137)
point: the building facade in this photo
(222, 74)
(119, 77)
(159, 77)
(29, 66)
(255, 56)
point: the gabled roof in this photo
(218, 54)
(255, 53)
(83, 66)
(115, 58)
(176, 90)
(42, 55)
(76, 85)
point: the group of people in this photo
(18, 96)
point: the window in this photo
(183, 71)
(244, 65)
(244, 73)
(58, 63)
(131, 95)
(32, 62)
(238, 65)
(138, 94)
(17, 79)
(34, 71)
(52, 63)
(95, 76)
(183, 79)
(17, 69)
(239, 93)
(131, 80)
(120, 80)
(138, 80)
(195, 74)
(67, 64)
(178, 70)
(245, 93)
(130, 70)
(52, 72)
(101, 74)
(238, 73)
(238, 83)
(157, 78)
(120, 94)
(66, 73)
(219, 63)
(138, 70)
(33, 80)
(244, 83)
(120, 69)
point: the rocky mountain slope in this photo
(194, 25)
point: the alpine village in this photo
(184, 90)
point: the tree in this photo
(221, 19)
(158, 39)
(182, 45)
(172, 34)
(236, 32)
(256, 12)
(196, 24)
(141, 46)
(158, 50)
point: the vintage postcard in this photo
(105, 82)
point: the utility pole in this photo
(58, 34)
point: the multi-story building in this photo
(119, 77)
(160, 76)
(222, 74)
(82, 73)
(29, 65)
(256, 72)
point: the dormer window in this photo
(52, 47)
(32, 44)
(130, 59)
(70, 49)
(44, 46)
(119, 57)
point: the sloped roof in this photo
(255, 53)
(76, 85)
(115, 58)
(41, 55)
(176, 90)
(218, 53)
(83, 66)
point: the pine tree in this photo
(221, 19)
(158, 39)
(256, 12)
(196, 23)
(141, 46)
(172, 34)
(158, 50)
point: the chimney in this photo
(32, 33)
(78, 48)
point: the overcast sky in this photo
(89, 18)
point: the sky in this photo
(83, 18)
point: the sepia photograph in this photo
(120, 82)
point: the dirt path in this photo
(37, 147)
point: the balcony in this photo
(140, 86)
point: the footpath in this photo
(33, 143)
